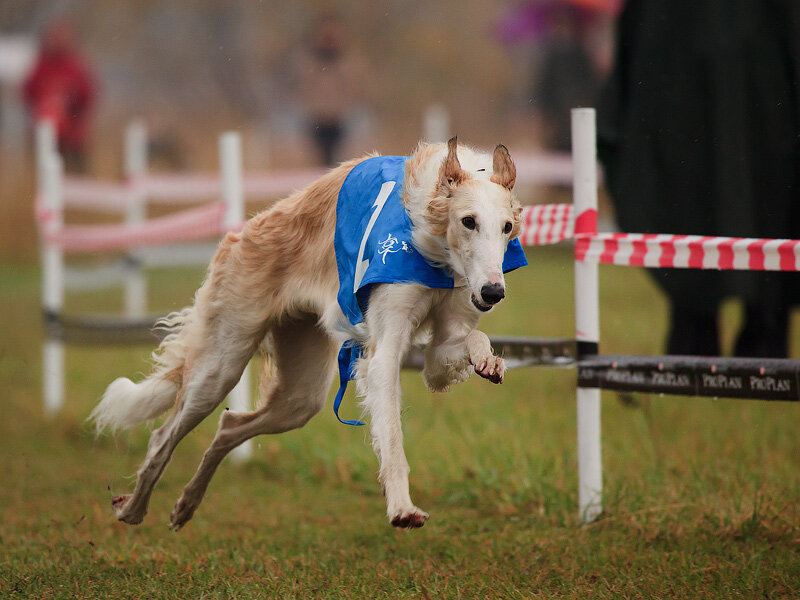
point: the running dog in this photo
(286, 284)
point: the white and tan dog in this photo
(275, 285)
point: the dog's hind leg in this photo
(208, 378)
(304, 357)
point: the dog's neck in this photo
(433, 247)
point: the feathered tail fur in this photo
(125, 403)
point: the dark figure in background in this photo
(567, 43)
(60, 88)
(329, 85)
(699, 133)
(568, 76)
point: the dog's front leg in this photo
(486, 364)
(395, 312)
(383, 403)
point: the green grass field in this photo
(701, 496)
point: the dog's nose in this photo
(492, 293)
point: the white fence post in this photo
(436, 123)
(135, 213)
(45, 147)
(230, 158)
(50, 175)
(587, 322)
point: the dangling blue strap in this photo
(349, 353)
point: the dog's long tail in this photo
(125, 403)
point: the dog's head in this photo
(477, 213)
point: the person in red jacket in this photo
(60, 88)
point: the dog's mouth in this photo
(480, 305)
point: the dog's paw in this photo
(491, 368)
(440, 380)
(123, 512)
(183, 511)
(410, 519)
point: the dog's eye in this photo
(507, 227)
(468, 222)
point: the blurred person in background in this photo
(61, 88)
(569, 76)
(329, 85)
(570, 56)
(699, 133)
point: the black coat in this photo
(699, 132)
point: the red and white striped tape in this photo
(95, 195)
(191, 188)
(276, 184)
(539, 168)
(546, 224)
(688, 251)
(191, 224)
(179, 189)
(110, 196)
(541, 225)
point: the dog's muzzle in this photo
(491, 294)
(480, 305)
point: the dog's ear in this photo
(450, 173)
(505, 173)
